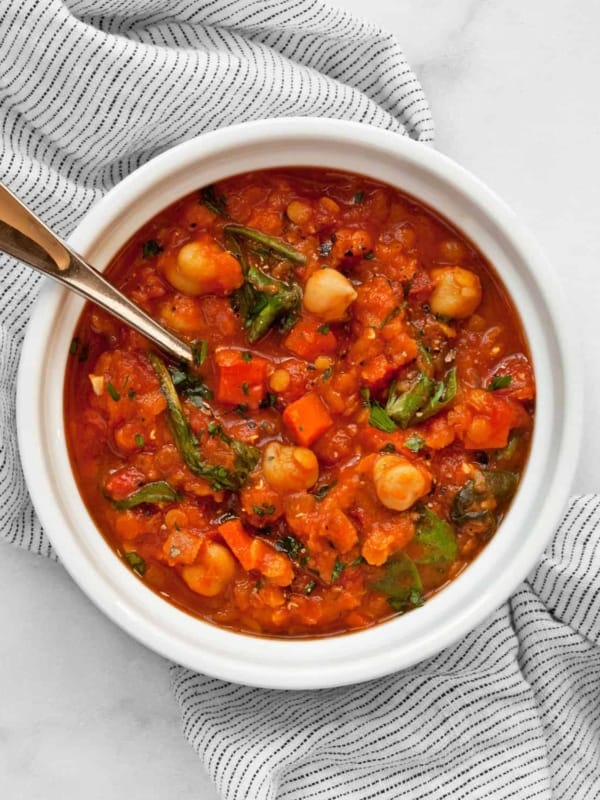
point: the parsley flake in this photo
(499, 382)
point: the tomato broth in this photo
(354, 426)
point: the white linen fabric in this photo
(91, 89)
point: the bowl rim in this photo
(329, 661)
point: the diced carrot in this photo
(310, 338)
(241, 378)
(254, 553)
(307, 419)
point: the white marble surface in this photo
(86, 711)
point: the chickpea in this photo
(456, 293)
(452, 250)
(323, 362)
(289, 469)
(213, 571)
(181, 314)
(280, 380)
(329, 204)
(398, 482)
(203, 267)
(299, 212)
(328, 294)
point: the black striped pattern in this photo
(512, 711)
(91, 89)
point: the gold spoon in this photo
(24, 236)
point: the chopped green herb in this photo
(84, 352)
(359, 197)
(246, 356)
(327, 373)
(264, 510)
(241, 409)
(268, 401)
(323, 329)
(337, 570)
(323, 491)
(199, 351)
(369, 256)
(245, 388)
(74, 346)
(310, 587)
(190, 386)
(499, 382)
(380, 419)
(390, 447)
(389, 317)
(218, 205)
(131, 394)
(506, 453)
(365, 393)
(113, 392)
(290, 545)
(156, 492)
(415, 443)
(213, 428)
(357, 562)
(136, 562)
(139, 440)
(151, 248)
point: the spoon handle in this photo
(24, 236)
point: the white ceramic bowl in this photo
(495, 573)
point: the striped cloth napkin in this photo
(91, 89)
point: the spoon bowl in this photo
(24, 236)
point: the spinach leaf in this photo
(423, 399)
(471, 502)
(380, 419)
(136, 562)
(263, 300)
(400, 582)
(219, 477)
(216, 204)
(436, 540)
(156, 492)
(403, 407)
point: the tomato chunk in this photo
(310, 338)
(242, 377)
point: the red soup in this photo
(356, 421)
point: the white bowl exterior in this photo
(484, 585)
